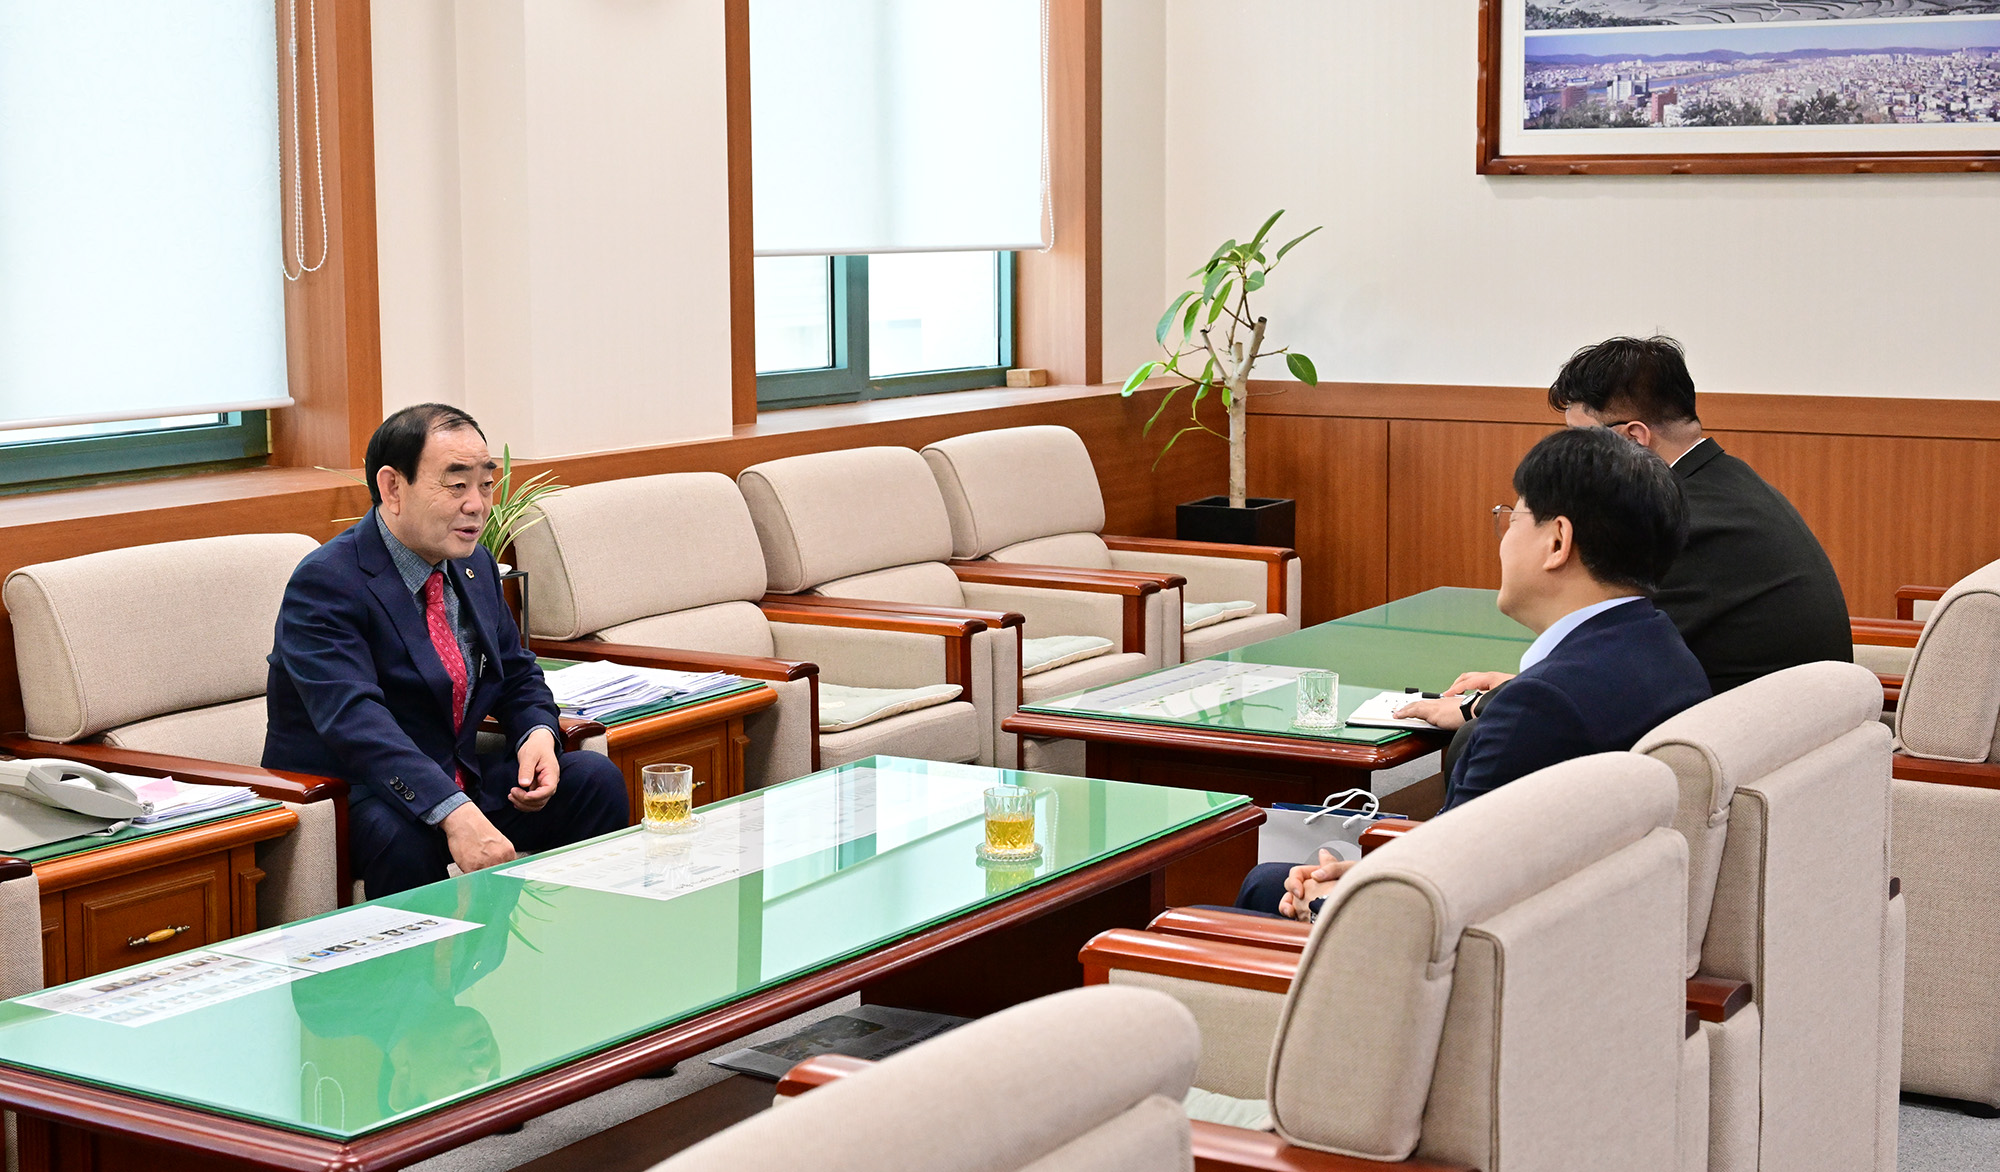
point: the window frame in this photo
(30, 465)
(847, 381)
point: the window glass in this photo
(932, 311)
(794, 313)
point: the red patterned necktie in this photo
(447, 649)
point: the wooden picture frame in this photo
(1964, 146)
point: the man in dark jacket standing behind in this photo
(1753, 592)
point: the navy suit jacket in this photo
(1609, 682)
(358, 692)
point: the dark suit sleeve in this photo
(1528, 725)
(323, 646)
(525, 702)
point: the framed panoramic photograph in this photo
(1738, 86)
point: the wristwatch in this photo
(1465, 705)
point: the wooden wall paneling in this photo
(742, 240)
(1890, 511)
(1059, 323)
(1338, 472)
(1444, 479)
(333, 343)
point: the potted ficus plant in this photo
(1193, 330)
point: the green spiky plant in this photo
(1185, 331)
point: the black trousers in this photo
(392, 853)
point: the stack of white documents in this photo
(596, 689)
(185, 799)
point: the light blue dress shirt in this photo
(1559, 630)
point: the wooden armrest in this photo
(1714, 999)
(297, 788)
(1892, 690)
(755, 667)
(13, 868)
(1907, 598)
(1267, 970)
(1201, 923)
(994, 619)
(1218, 1148)
(1886, 632)
(576, 730)
(1978, 774)
(818, 1071)
(784, 610)
(1384, 832)
(1201, 549)
(1129, 583)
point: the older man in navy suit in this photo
(1595, 525)
(393, 644)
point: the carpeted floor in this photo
(1936, 1137)
(567, 1125)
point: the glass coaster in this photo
(1010, 859)
(687, 826)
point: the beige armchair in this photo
(1784, 787)
(151, 660)
(1030, 494)
(1947, 845)
(1463, 1000)
(667, 571)
(871, 524)
(1090, 1080)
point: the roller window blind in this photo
(897, 126)
(139, 211)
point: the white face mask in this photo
(1347, 814)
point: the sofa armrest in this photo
(1218, 1148)
(1714, 999)
(1280, 561)
(13, 868)
(1384, 832)
(576, 730)
(956, 631)
(1244, 966)
(994, 619)
(755, 667)
(818, 1071)
(1978, 774)
(1133, 588)
(1907, 598)
(276, 784)
(1232, 927)
(1885, 632)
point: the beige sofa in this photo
(1030, 495)
(667, 571)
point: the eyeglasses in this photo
(1503, 516)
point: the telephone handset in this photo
(72, 785)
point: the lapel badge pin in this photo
(468, 571)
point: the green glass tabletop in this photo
(1447, 610)
(1253, 689)
(478, 981)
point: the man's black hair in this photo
(399, 442)
(1644, 379)
(1622, 501)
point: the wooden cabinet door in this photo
(145, 916)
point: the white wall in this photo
(1134, 182)
(552, 204)
(1360, 116)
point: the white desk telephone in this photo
(72, 785)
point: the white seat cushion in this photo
(1233, 633)
(842, 708)
(1053, 651)
(1091, 673)
(1196, 615)
(948, 732)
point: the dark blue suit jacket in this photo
(1608, 683)
(357, 691)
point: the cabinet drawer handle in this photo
(160, 936)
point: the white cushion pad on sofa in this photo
(1054, 651)
(842, 708)
(1196, 615)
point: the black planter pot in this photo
(1262, 521)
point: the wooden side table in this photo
(153, 897)
(708, 736)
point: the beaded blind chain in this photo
(298, 250)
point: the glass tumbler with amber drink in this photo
(1010, 823)
(668, 791)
